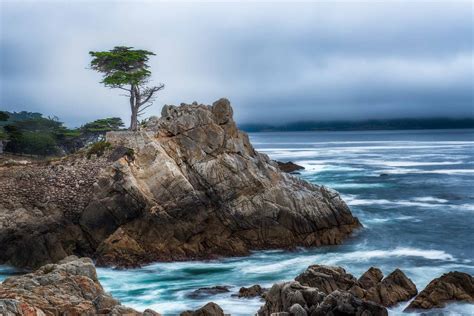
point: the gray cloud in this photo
(275, 61)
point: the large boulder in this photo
(450, 287)
(69, 287)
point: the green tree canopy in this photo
(103, 125)
(127, 69)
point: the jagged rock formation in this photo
(70, 287)
(197, 189)
(394, 288)
(322, 290)
(450, 287)
(189, 186)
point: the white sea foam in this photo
(387, 219)
(357, 202)
(430, 199)
(417, 163)
(398, 252)
(420, 171)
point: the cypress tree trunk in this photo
(134, 109)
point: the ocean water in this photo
(412, 190)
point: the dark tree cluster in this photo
(31, 133)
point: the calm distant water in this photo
(418, 217)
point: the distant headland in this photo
(372, 124)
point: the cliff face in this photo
(197, 189)
(189, 186)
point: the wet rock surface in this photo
(450, 287)
(208, 291)
(69, 287)
(289, 166)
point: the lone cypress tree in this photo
(127, 69)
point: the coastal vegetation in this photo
(127, 69)
(33, 134)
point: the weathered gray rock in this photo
(283, 296)
(330, 290)
(450, 287)
(189, 186)
(344, 303)
(197, 189)
(69, 287)
(327, 278)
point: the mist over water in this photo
(412, 191)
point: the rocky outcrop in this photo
(69, 287)
(450, 287)
(322, 290)
(190, 186)
(289, 166)
(296, 299)
(210, 309)
(197, 189)
(395, 288)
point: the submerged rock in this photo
(208, 291)
(289, 167)
(69, 287)
(450, 287)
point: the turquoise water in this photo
(419, 217)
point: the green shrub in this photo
(98, 149)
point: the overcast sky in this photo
(276, 62)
